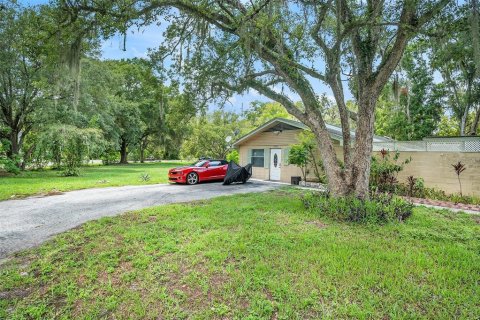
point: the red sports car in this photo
(203, 170)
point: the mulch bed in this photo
(445, 204)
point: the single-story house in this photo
(267, 148)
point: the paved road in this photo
(28, 222)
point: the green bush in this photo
(7, 164)
(233, 156)
(384, 171)
(415, 187)
(380, 208)
(110, 156)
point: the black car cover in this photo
(236, 173)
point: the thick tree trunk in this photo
(333, 171)
(359, 168)
(476, 122)
(123, 152)
(143, 146)
(15, 144)
(26, 157)
(353, 179)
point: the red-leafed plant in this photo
(383, 153)
(384, 171)
(411, 182)
(459, 168)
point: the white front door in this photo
(275, 163)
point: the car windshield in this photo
(199, 163)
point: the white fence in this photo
(454, 144)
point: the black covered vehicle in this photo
(236, 173)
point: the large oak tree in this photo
(35, 58)
(280, 47)
(21, 67)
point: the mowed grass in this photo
(38, 182)
(253, 256)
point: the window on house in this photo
(258, 158)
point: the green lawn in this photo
(255, 256)
(37, 182)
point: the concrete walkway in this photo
(29, 222)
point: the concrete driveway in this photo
(28, 222)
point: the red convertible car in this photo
(203, 170)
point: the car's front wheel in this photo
(192, 178)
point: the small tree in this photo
(298, 156)
(67, 146)
(459, 168)
(308, 142)
(73, 152)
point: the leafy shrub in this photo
(436, 194)
(384, 171)
(421, 191)
(461, 198)
(110, 156)
(415, 187)
(380, 208)
(7, 164)
(233, 156)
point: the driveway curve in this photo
(28, 222)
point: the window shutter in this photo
(266, 158)
(286, 152)
(249, 156)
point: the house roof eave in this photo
(267, 125)
(334, 131)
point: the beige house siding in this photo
(434, 167)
